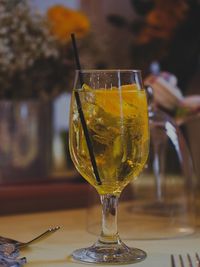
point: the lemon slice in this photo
(123, 102)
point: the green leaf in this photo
(137, 26)
(142, 7)
(117, 21)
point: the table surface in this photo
(55, 251)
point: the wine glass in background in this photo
(114, 107)
(164, 194)
(160, 203)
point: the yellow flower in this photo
(65, 21)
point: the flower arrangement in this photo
(169, 97)
(79, 23)
(166, 33)
(35, 57)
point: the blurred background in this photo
(37, 67)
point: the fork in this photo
(189, 260)
(19, 244)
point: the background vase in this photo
(25, 134)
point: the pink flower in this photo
(169, 97)
(191, 102)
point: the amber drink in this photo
(115, 111)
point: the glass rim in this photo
(108, 70)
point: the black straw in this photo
(81, 115)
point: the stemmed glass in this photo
(114, 107)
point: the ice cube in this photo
(86, 88)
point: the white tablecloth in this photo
(55, 250)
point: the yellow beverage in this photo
(117, 123)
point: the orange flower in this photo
(65, 21)
(163, 20)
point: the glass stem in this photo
(109, 233)
(159, 168)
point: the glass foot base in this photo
(109, 254)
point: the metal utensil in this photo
(185, 263)
(19, 244)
